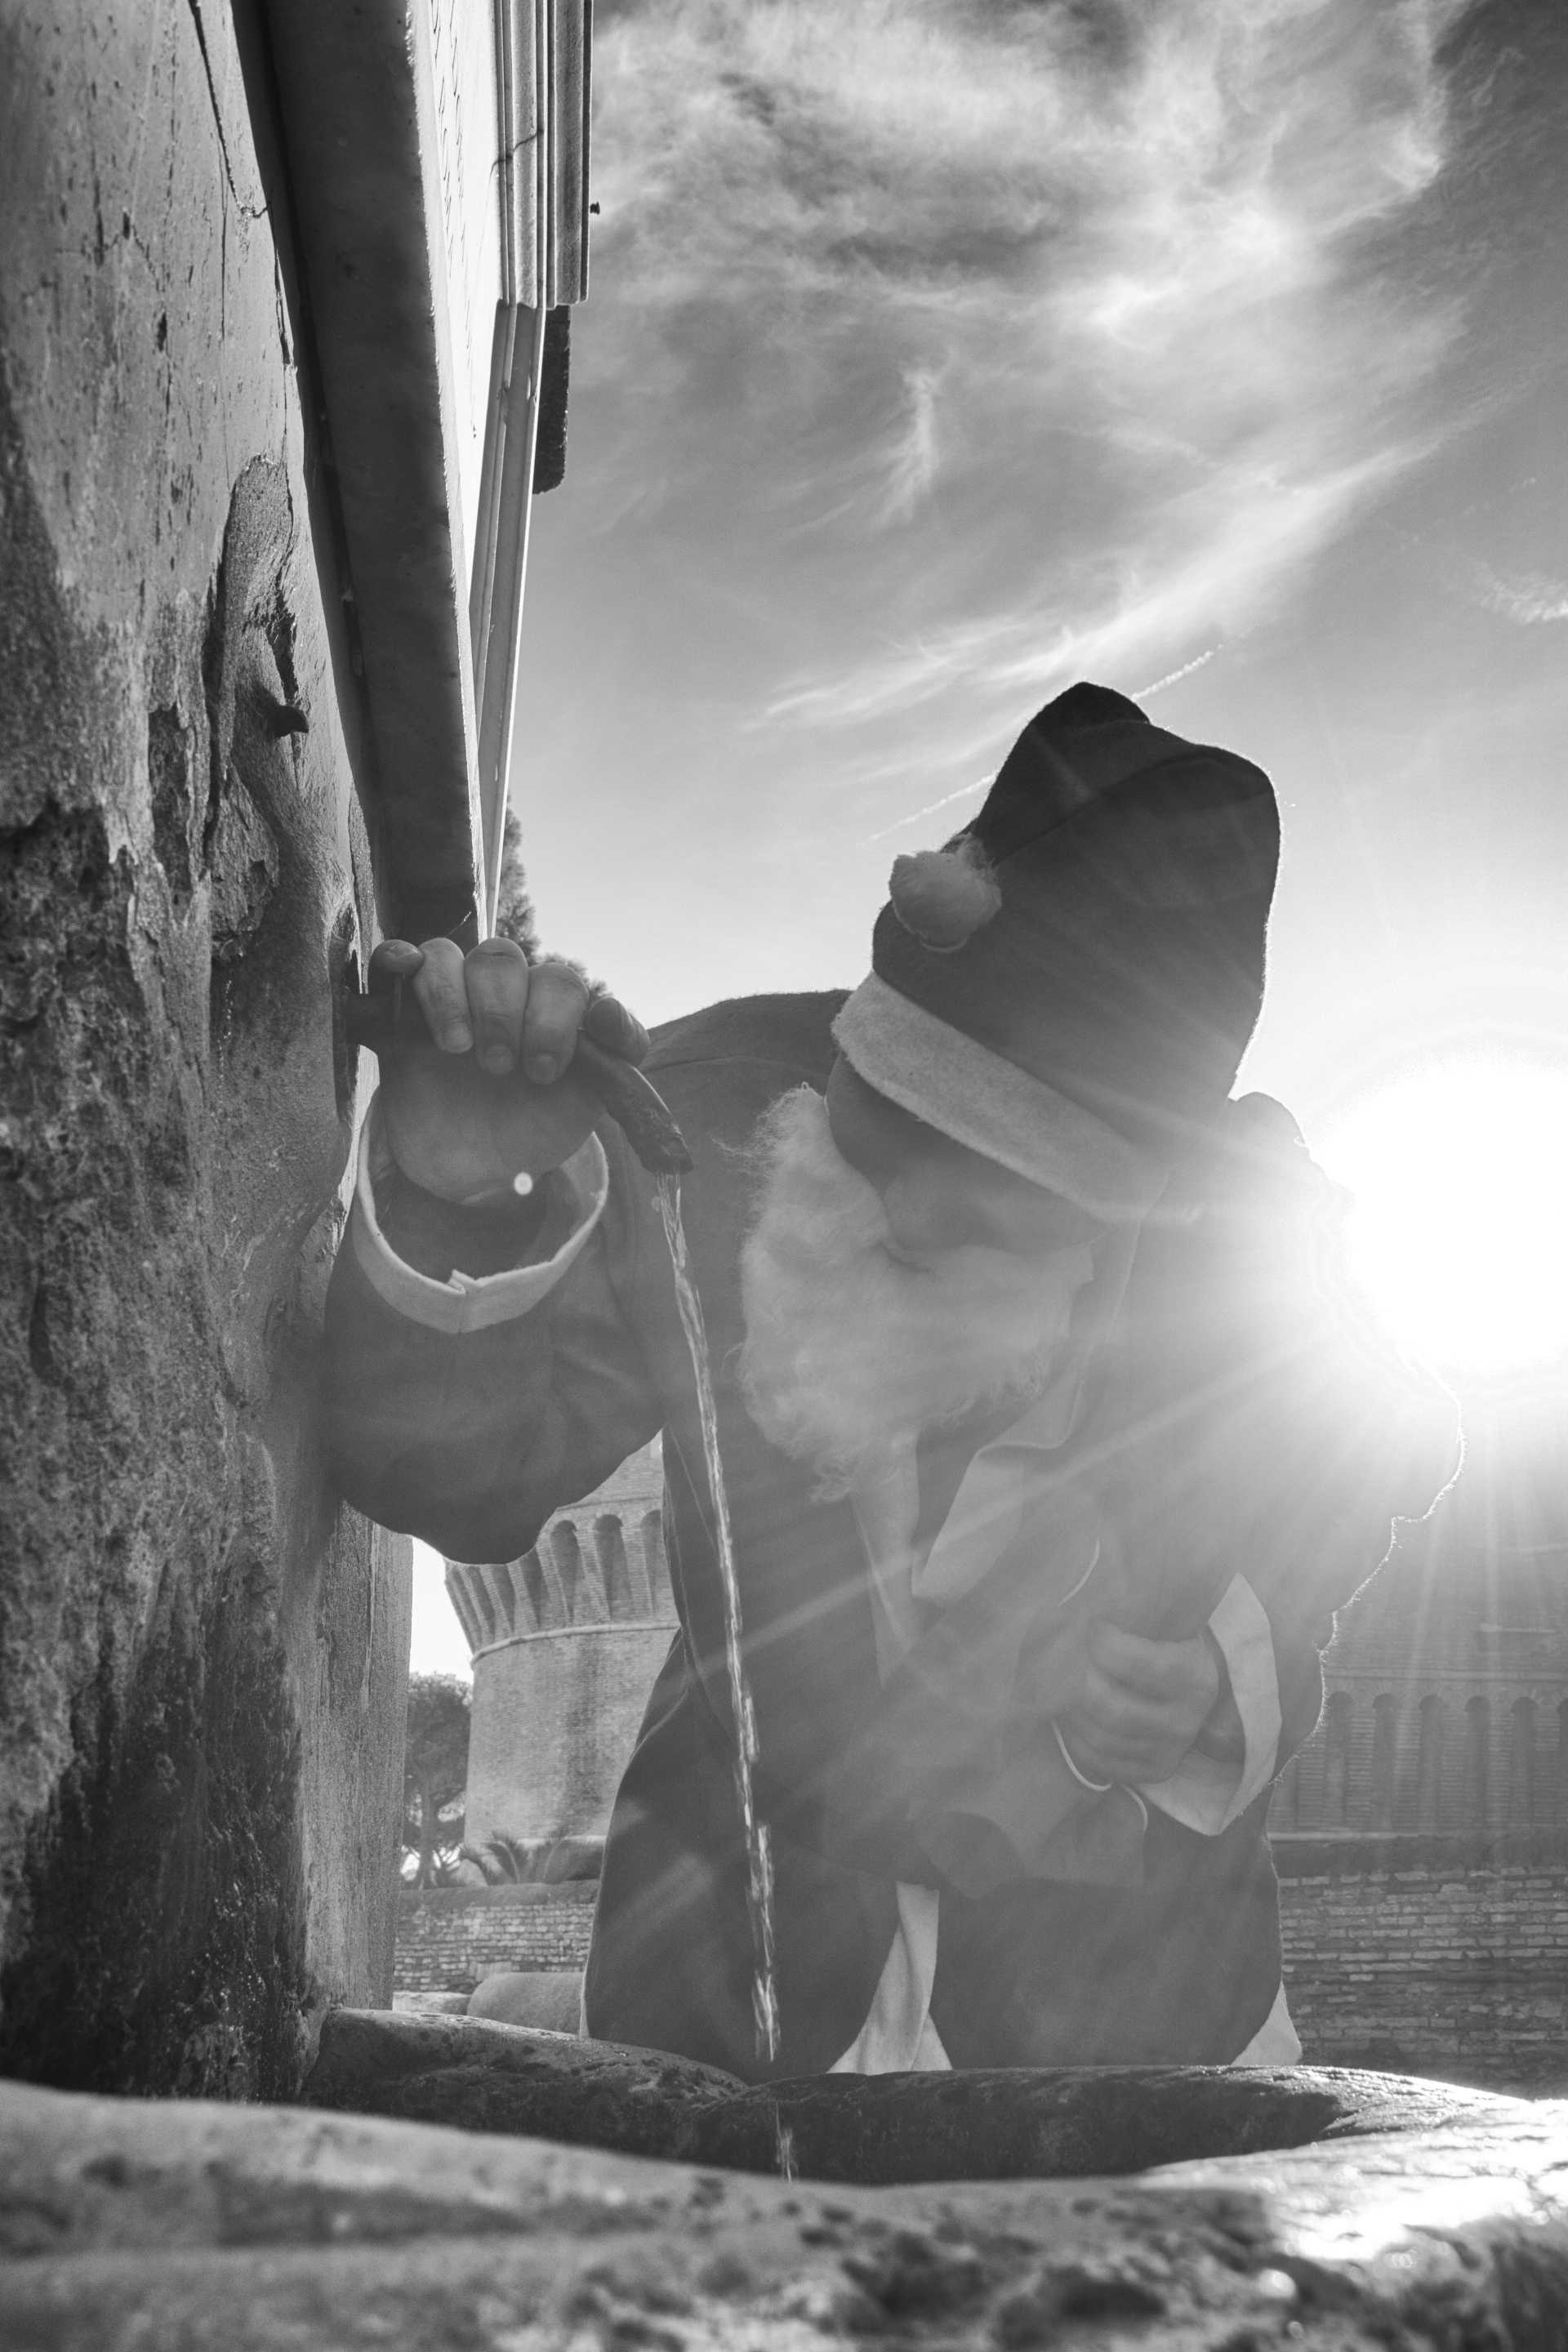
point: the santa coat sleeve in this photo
(481, 1369)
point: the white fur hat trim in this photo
(991, 1106)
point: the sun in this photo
(1459, 1167)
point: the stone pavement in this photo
(128, 2225)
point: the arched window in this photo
(493, 1577)
(460, 1594)
(615, 1575)
(539, 1595)
(1429, 1765)
(1476, 1800)
(660, 1597)
(1285, 1805)
(1522, 1788)
(1385, 1717)
(1337, 1762)
(561, 1557)
(482, 1600)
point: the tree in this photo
(515, 917)
(514, 907)
(434, 1773)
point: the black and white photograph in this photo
(783, 1175)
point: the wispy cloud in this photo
(1529, 601)
(910, 458)
(1030, 340)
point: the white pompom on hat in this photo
(942, 897)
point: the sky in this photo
(938, 353)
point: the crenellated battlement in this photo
(599, 1562)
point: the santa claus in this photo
(1053, 1435)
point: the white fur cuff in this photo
(465, 1302)
(1203, 1793)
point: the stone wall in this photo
(1438, 1958)
(449, 1936)
(1431, 1956)
(202, 1655)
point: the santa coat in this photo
(1247, 1444)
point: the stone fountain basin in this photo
(130, 2225)
(477, 2074)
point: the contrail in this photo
(914, 816)
(1141, 693)
(964, 792)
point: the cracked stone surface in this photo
(129, 2223)
(1054, 2125)
(482, 2076)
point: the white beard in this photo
(845, 1346)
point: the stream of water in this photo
(759, 1849)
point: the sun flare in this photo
(1459, 1171)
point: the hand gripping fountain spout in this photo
(380, 1021)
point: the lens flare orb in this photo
(1458, 1170)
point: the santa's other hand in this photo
(1141, 1705)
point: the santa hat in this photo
(1069, 985)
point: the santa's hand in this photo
(1141, 1704)
(492, 1094)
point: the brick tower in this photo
(567, 1643)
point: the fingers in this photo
(1118, 1718)
(499, 985)
(1155, 1669)
(609, 1024)
(557, 1000)
(440, 991)
(1105, 1756)
(506, 1012)
(1134, 1734)
(394, 960)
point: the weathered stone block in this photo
(550, 1998)
(1019, 2124)
(1003, 2125)
(486, 2076)
(124, 2224)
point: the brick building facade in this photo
(1421, 1836)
